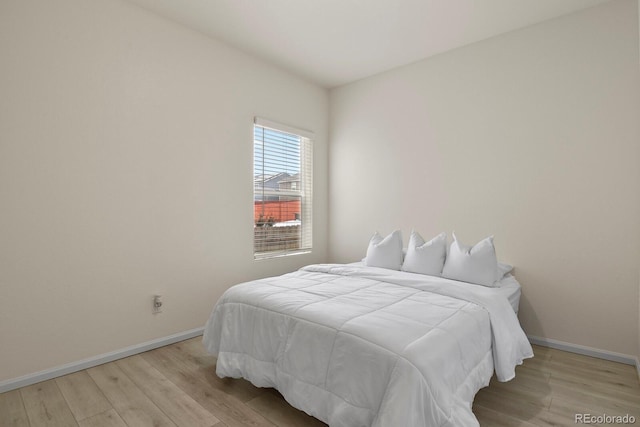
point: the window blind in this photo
(282, 196)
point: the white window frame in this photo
(303, 233)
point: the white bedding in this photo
(510, 289)
(508, 286)
(363, 346)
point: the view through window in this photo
(282, 171)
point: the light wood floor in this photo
(176, 386)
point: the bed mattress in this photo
(508, 286)
(362, 346)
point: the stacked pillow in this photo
(385, 253)
(425, 257)
(476, 264)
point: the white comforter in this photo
(362, 346)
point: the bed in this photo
(363, 346)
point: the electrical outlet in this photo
(157, 304)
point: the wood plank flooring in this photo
(177, 386)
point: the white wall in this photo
(125, 170)
(531, 136)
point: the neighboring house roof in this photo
(270, 181)
(291, 178)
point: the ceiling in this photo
(333, 42)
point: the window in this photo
(282, 185)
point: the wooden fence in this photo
(266, 239)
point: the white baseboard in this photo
(587, 351)
(69, 368)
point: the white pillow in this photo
(385, 253)
(404, 254)
(503, 270)
(477, 264)
(425, 258)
